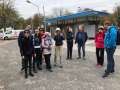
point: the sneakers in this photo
(106, 75)
(78, 57)
(99, 66)
(50, 70)
(61, 66)
(84, 58)
(26, 76)
(34, 70)
(32, 75)
(110, 72)
(39, 67)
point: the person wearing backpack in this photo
(37, 62)
(118, 37)
(70, 37)
(81, 38)
(99, 42)
(110, 46)
(59, 37)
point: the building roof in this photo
(79, 14)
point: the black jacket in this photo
(70, 37)
(59, 40)
(27, 46)
(118, 37)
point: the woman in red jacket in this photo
(99, 41)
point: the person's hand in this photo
(23, 57)
(34, 55)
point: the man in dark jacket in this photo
(81, 38)
(58, 46)
(27, 50)
(37, 62)
(20, 38)
(69, 43)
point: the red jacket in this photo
(99, 40)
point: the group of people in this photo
(106, 39)
(36, 47)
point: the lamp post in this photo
(35, 6)
(44, 20)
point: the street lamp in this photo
(44, 15)
(35, 6)
(44, 21)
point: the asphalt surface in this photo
(75, 74)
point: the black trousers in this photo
(28, 62)
(69, 50)
(37, 61)
(100, 56)
(22, 61)
(79, 50)
(47, 61)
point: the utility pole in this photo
(44, 21)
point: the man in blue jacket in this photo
(81, 38)
(20, 37)
(110, 46)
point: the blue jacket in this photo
(81, 38)
(111, 37)
(20, 39)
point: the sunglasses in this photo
(27, 32)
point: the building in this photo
(91, 20)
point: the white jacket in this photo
(47, 45)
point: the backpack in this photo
(118, 37)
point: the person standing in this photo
(99, 42)
(37, 62)
(110, 46)
(20, 40)
(81, 38)
(27, 50)
(70, 37)
(47, 50)
(58, 47)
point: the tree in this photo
(116, 15)
(8, 14)
(88, 9)
(37, 20)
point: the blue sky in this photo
(27, 10)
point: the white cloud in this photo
(27, 10)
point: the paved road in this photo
(76, 74)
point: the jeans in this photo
(83, 50)
(110, 59)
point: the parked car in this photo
(12, 34)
